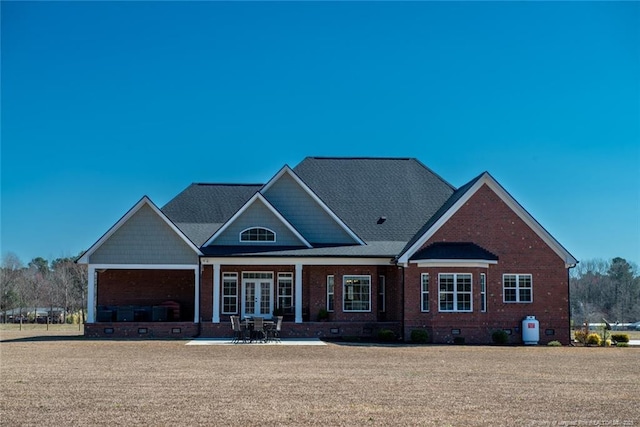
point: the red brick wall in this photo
(487, 221)
(147, 287)
(142, 330)
(206, 293)
(314, 290)
(314, 286)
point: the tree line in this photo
(59, 287)
(608, 289)
(605, 289)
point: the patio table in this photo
(249, 324)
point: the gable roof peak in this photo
(144, 201)
(461, 196)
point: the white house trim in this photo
(91, 295)
(144, 266)
(257, 197)
(487, 179)
(467, 263)
(84, 259)
(286, 169)
(215, 318)
(250, 260)
(298, 293)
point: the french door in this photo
(257, 294)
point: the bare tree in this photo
(10, 276)
(70, 280)
(609, 289)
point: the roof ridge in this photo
(227, 183)
(361, 158)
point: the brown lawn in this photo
(61, 379)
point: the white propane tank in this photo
(530, 330)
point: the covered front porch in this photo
(123, 293)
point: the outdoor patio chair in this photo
(239, 332)
(259, 333)
(273, 333)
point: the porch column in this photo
(91, 295)
(298, 293)
(196, 306)
(216, 294)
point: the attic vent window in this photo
(382, 219)
(257, 234)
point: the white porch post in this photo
(196, 307)
(298, 293)
(91, 295)
(216, 293)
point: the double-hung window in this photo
(230, 293)
(329, 293)
(382, 297)
(517, 288)
(483, 292)
(454, 292)
(356, 293)
(425, 292)
(285, 292)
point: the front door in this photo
(257, 291)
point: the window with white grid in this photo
(454, 292)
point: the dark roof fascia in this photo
(244, 250)
(454, 251)
(375, 250)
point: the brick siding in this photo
(147, 288)
(487, 221)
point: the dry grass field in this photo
(57, 378)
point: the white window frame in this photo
(330, 293)
(229, 278)
(455, 293)
(483, 292)
(258, 277)
(346, 292)
(285, 278)
(517, 288)
(257, 241)
(382, 293)
(424, 292)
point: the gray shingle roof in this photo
(441, 211)
(209, 203)
(358, 190)
(200, 209)
(371, 249)
(454, 250)
(361, 190)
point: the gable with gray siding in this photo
(306, 215)
(145, 238)
(257, 215)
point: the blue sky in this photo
(104, 102)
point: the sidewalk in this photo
(229, 341)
